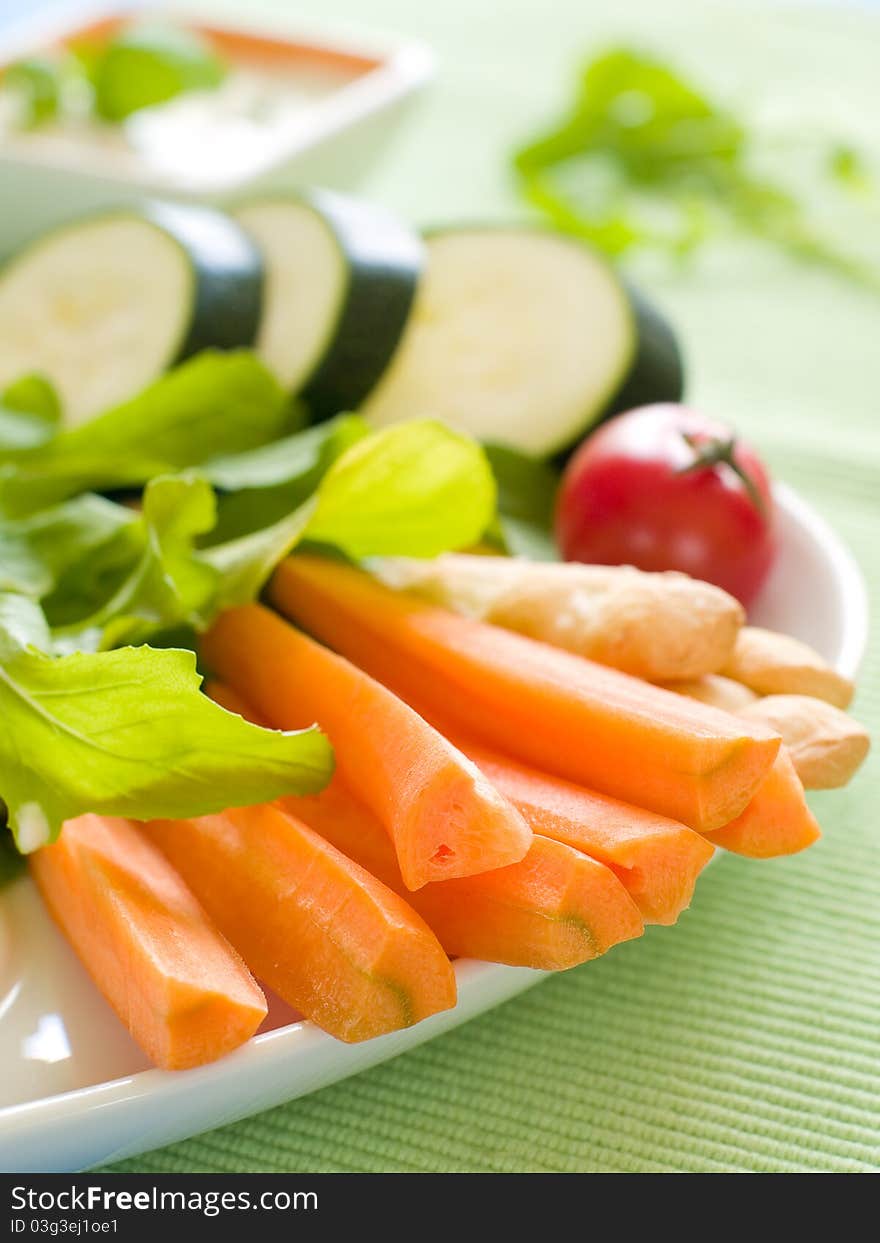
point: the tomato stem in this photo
(717, 451)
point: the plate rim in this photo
(853, 586)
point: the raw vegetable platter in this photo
(100, 1102)
(432, 738)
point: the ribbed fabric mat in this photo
(746, 1038)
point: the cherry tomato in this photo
(666, 488)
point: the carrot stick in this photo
(556, 908)
(777, 821)
(552, 910)
(656, 859)
(329, 938)
(223, 694)
(444, 818)
(179, 988)
(554, 710)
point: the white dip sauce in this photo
(198, 138)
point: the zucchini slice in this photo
(341, 278)
(104, 305)
(524, 338)
(656, 373)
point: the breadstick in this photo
(657, 626)
(826, 745)
(776, 664)
(716, 691)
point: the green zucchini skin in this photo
(385, 259)
(228, 271)
(654, 371)
(205, 292)
(657, 372)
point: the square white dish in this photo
(75, 1088)
(361, 86)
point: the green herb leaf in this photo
(34, 394)
(847, 167)
(22, 626)
(36, 81)
(169, 584)
(214, 404)
(524, 539)
(415, 489)
(527, 491)
(643, 158)
(146, 65)
(243, 565)
(128, 733)
(168, 581)
(265, 485)
(295, 458)
(12, 864)
(109, 575)
(527, 486)
(38, 553)
(29, 413)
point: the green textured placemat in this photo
(747, 1037)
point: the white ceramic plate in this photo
(75, 1089)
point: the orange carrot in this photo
(776, 822)
(656, 859)
(223, 694)
(179, 988)
(329, 938)
(552, 910)
(245, 47)
(554, 710)
(443, 816)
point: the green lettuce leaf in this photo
(128, 733)
(108, 575)
(22, 626)
(263, 486)
(36, 81)
(150, 63)
(527, 491)
(295, 458)
(39, 552)
(12, 864)
(416, 489)
(169, 584)
(217, 403)
(30, 413)
(243, 565)
(34, 394)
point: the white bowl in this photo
(75, 1086)
(331, 143)
(816, 590)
